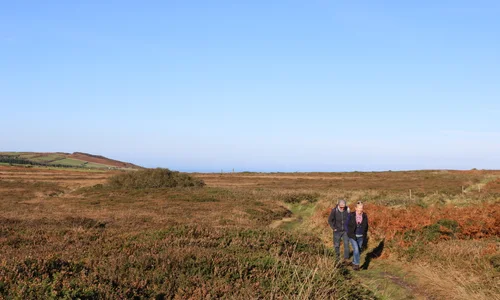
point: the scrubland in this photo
(91, 235)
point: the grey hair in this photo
(342, 201)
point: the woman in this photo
(357, 228)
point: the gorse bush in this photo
(153, 178)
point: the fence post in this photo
(410, 194)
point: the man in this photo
(357, 229)
(338, 221)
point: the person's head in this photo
(359, 207)
(341, 204)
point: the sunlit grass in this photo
(86, 238)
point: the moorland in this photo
(91, 234)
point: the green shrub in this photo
(299, 197)
(443, 228)
(153, 178)
(452, 225)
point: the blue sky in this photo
(255, 85)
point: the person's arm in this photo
(331, 219)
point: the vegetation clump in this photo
(301, 197)
(153, 178)
(495, 261)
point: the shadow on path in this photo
(376, 252)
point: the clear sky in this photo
(255, 85)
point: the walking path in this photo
(387, 278)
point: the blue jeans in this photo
(337, 236)
(356, 244)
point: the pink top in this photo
(359, 218)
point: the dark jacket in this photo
(338, 219)
(353, 228)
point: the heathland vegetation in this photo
(153, 178)
(163, 234)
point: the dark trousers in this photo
(337, 237)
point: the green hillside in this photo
(64, 160)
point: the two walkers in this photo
(348, 227)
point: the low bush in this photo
(153, 178)
(300, 197)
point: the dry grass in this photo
(461, 268)
(421, 182)
(66, 234)
(99, 241)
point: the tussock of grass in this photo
(294, 197)
(495, 261)
(153, 178)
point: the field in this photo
(63, 160)
(68, 234)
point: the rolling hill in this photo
(62, 159)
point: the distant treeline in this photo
(22, 161)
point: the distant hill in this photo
(62, 159)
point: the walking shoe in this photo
(347, 262)
(355, 267)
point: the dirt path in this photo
(389, 279)
(418, 292)
(278, 223)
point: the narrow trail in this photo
(391, 280)
(388, 279)
(278, 223)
